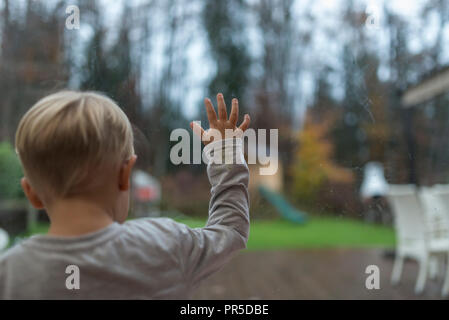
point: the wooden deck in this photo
(312, 274)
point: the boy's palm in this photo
(220, 123)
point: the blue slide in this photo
(283, 207)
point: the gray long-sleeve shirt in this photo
(150, 258)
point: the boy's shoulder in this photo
(9, 258)
(155, 228)
(15, 252)
(148, 232)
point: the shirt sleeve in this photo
(205, 250)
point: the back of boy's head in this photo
(68, 140)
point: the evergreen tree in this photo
(226, 37)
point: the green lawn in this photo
(320, 232)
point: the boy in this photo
(76, 149)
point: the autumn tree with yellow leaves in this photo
(313, 165)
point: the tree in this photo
(31, 60)
(314, 165)
(226, 37)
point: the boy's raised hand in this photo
(221, 123)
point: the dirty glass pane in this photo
(347, 147)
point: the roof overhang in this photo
(426, 90)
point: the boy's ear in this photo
(125, 173)
(30, 194)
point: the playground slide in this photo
(283, 207)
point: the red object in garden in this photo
(145, 194)
(146, 189)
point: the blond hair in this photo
(68, 138)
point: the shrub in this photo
(10, 173)
(314, 167)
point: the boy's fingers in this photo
(197, 129)
(211, 115)
(222, 114)
(234, 112)
(245, 123)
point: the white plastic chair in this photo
(437, 219)
(410, 232)
(441, 193)
(4, 239)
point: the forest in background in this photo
(328, 82)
